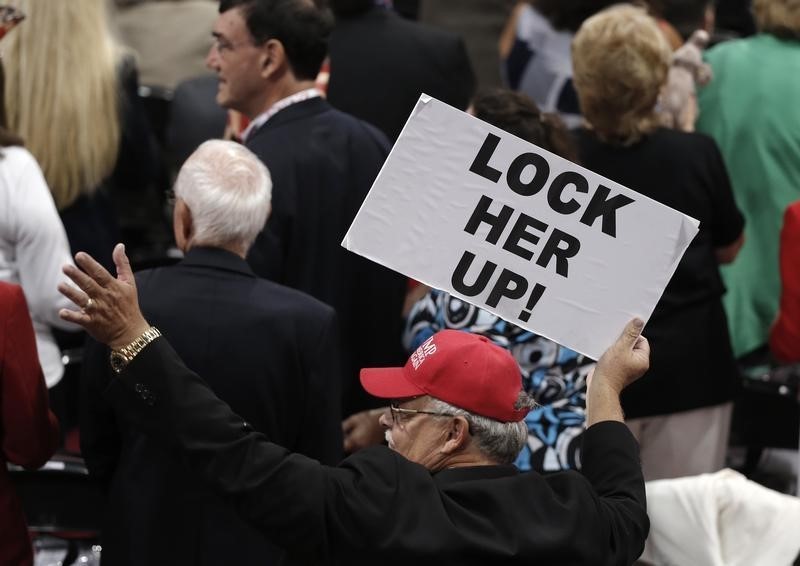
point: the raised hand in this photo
(623, 363)
(109, 307)
(626, 360)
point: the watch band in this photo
(121, 357)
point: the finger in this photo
(123, 265)
(642, 352)
(642, 345)
(97, 272)
(78, 317)
(632, 331)
(75, 295)
(82, 280)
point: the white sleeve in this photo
(42, 248)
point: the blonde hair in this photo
(778, 17)
(620, 61)
(62, 92)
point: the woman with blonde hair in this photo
(33, 245)
(752, 110)
(70, 94)
(680, 411)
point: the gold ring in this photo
(89, 304)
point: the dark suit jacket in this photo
(381, 63)
(127, 205)
(194, 117)
(28, 430)
(323, 163)
(269, 352)
(377, 507)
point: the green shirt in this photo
(752, 109)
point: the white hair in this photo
(228, 191)
(500, 442)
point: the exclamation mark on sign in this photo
(536, 294)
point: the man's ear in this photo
(183, 225)
(273, 58)
(457, 436)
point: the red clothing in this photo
(784, 338)
(28, 430)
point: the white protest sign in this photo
(463, 206)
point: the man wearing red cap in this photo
(442, 493)
(468, 380)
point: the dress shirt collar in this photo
(262, 118)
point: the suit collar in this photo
(297, 111)
(442, 478)
(456, 475)
(262, 118)
(216, 258)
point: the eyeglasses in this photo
(396, 411)
(222, 45)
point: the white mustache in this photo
(387, 434)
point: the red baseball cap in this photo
(463, 369)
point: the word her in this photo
(559, 245)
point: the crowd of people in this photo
(224, 407)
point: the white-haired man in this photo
(443, 493)
(270, 353)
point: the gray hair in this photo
(228, 191)
(498, 441)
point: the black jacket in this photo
(381, 63)
(376, 507)
(323, 162)
(269, 352)
(692, 365)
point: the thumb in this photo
(632, 332)
(124, 271)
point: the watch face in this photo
(118, 362)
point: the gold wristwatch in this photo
(121, 357)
